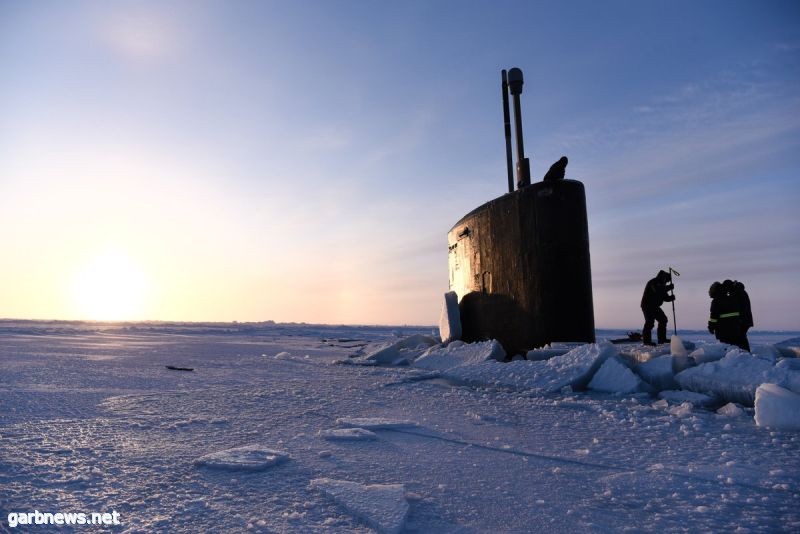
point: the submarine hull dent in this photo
(521, 268)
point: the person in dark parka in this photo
(557, 170)
(656, 294)
(746, 318)
(725, 319)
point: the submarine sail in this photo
(520, 263)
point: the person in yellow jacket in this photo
(725, 318)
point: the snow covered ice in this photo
(348, 434)
(249, 457)
(458, 353)
(90, 420)
(382, 506)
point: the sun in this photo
(110, 287)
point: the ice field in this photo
(295, 428)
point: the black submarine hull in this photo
(521, 268)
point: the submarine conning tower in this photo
(520, 263)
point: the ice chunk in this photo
(374, 423)
(545, 354)
(731, 410)
(382, 506)
(614, 377)
(789, 347)
(403, 351)
(710, 352)
(348, 434)
(676, 347)
(790, 364)
(735, 377)
(644, 353)
(658, 372)
(248, 458)
(766, 352)
(573, 369)
(777, 407)
(450, 319)
(682, 410)
(439, 358)
(680, 397)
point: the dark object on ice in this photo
(656, 293)
(557, 170)
(173, 368)
(633, 337)
(520, 263)
(515, 82)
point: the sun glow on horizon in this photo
(110, 286)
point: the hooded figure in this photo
(746, 317)
(557, 170)
(725, 319)
(656, 294)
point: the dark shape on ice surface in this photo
(173, 368)
(633, 337)
(557, 170)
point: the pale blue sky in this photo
(303, 161)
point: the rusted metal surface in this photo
(521, 268)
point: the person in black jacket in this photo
(725, 319)
(656, 294)
(746, 317)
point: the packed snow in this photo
(270, 433)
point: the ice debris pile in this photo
(710, 376)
